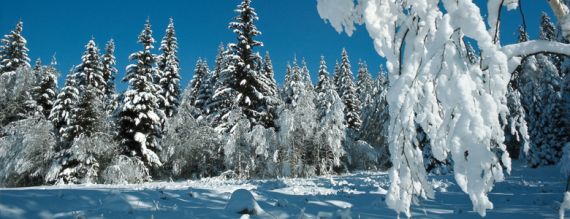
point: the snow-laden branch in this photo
(516, 52)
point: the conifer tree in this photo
(13, 51)
(63, 106)
(213, 82)
(109, 74)
(45, 91)
(200, 73)
(306, 75)
(348, 93)
(336, 77)
(249, 81)
(203, 92)
(364, 84)
(140, 120)
(90, 71)
(331, 131)
(169, 72)
(323, 77)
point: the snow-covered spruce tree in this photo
(205, 90)
(269, 90)
(376, 121)
(540, 91)
(108, 61)
(13, 51)
(140, 120)
(85, 116)
(323, 77)
(267, 69)
(347, 92)
(31, 105)
(297, 125)
(220, 63)
(336, 77)
(364, 84)
(249, 82)
(223, 100)
(436, 89)
(306, 75)
(201, 73)
(170, 72)
(331, 131)
(64, 104)
(45, 91)
(90, 71)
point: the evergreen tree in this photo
(306, 75)
(109, 74)
(203, 91)
(31, 106)
(140, 120)
(13, 52)
(348, 94)
(267, 68)
(336, 77)
(323, 77)
(223, 100)
(249, 82)
(200, 74)
(539, 84)
(90, 71)
(331, 131)
(365, 84)
(170, 72)
(45, 91)
(86, 116)
(63, 106)
(213, 82)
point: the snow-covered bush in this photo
(362, 156)
(84, 160)
(125, 170)
(15, 87)
(191, 149)
(26, 152)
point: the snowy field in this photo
(527, 193)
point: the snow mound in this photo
(243, 202)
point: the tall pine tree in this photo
(63, 106)
(170, 72)
(347, 91)
(13, 51)
(45, 91)
(109, 74)
(140, 120)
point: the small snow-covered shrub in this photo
(26, 152)
(125, 170)
(191, 149)
(362, 156)
(83, 162)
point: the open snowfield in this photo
(527, 193)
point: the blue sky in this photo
(289, 27)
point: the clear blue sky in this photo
(289, 27)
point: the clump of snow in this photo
(340, 13)
(125, 170)
(243, 202)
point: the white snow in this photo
(527, 193)
(243, 202)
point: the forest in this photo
(450, 100)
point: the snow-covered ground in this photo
(527, 193)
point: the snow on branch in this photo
(516, 52)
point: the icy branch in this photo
(561, 12)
